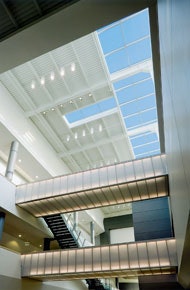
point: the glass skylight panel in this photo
(135, 93)
(147, 137)
(130, 25)
(130, 80)
(137, 90)
(91, 110)
(108, 40)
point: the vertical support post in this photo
(2, 221)
(92, 233)
(117, 282)
(75, 218)
(12, 159)
(47, 244)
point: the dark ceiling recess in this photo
(17, 14)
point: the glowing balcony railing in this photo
(114, 184)
(132, 259)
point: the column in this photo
(2, 221)
(12, 159)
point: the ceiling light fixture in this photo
(36, 176)
(83, 133)
(80, 98)
(90, 95)
(91, 130)
(70, 102)
(62, 72)
(19, 160)
(73, 67)
(100, 128)
(76, 135)
(52, 76)
(68, 138)
(42, 81)
(33, 85)
(53, 109)
(44, 112)
(20, 236)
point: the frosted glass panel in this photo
(133, 257)
(34, 264)
(105, 253)
(129, 171)
(49, 261)
(64, 185)
(63, 262)
(80, 261)
(95, 178)
(71, 183)
(56, 186)
(88, 259)
(124, 256)
(41, 262)
(139, 170)
(71, 261)
(96, 259)
(114, 256)
(112, 175)
(120, 172)
(153, 254)
(87, 183)
(143, 255)
(56, 262)
(163, 253)
(78, 181)
(103, 176)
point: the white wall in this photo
(124, 235)
(174, 23)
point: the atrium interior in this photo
(94, 145)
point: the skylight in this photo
(126, 51)
(93, 111)
(125, 44)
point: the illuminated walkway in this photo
(110, 185)
(132, 259)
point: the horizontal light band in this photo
(131, 259)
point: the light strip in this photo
(98, 197)
(131, 259)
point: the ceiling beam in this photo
(9, 13)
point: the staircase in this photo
(62, 234)
(67, 237)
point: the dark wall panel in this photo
(151, 219)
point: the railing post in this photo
(92, 233)
(75, 219)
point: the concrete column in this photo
(92, 233)
(12, 159)
(2, 221)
